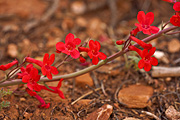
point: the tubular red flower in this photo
(176, 6)
(55, 89)
(47, 69)
(141, 43)
(43, 104)
(144, 23)
(69, 46)
(147, 61)
(9, 65)
(31, 79)
(32, 60)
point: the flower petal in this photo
(75, 54)
(25, 78)
(102, 56)
(141, 64)
(98, 45)
(69, 38)
(43, 70)
(149, 18)
(49, 75)
(60, 93)
(147, 66)
(51, 59)
(151, 52)
(92, 45)
(176, 6)
(141, 17)
(46, 58)
(154, 61)
(60, 46)
(154, 29)
(54, 70)
(77, 41)
(95, 60)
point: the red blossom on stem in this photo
(93, 51)
(55, 89)
(145, 22)
(25, 71)
(120, 42)
(31, 79)
(81, 59)
(134, 32)
(47, 69)
(170, 1)
(9, 65)
(147, 61)
(43, 104)
(69, 46)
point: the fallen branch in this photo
(166, 72)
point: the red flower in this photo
(144, 23)
(81, 59)
(146, 60)
(43, 104)
(69, 46)
(176, 6)
(93, 51)
(9, 65)
(141, 43)
(47, 69)
(175, 19)
(55, 89)
(25, 71)
(31, 79)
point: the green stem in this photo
(93, 67)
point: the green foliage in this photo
(3, 93)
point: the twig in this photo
(95, 80)
(84, 96)
(44, 18)
(166, 72)
(103, 90)
(150, 114)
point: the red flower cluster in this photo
(93, 51)
(46, 68)
(69, 46)
(145, 22)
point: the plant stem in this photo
(93, 67)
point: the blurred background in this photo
(33, 27)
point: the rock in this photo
(103, 113)
(22, 99)
(78, 7)
(12, 50)
(161, 56)
(136, 96)
(172, 113)
(130, 118)
(174, 46)
(81, 22)
(84, 80)
(81, 103)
